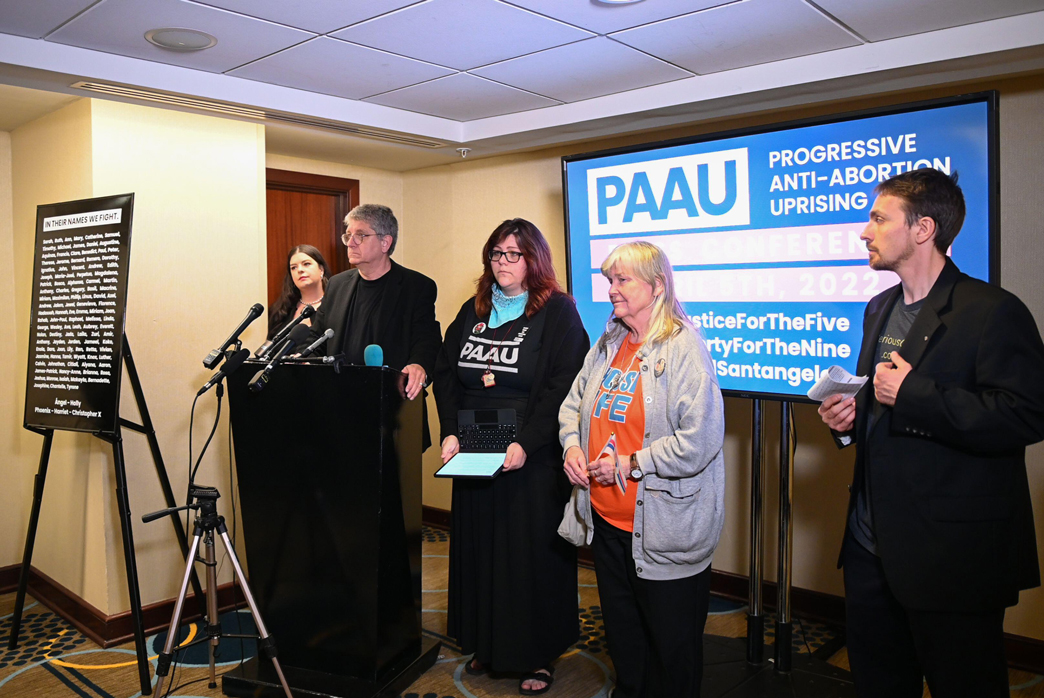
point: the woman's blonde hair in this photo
(648, 263)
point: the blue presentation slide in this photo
(762, 231)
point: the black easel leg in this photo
(30, 539)
(131, 564)
(161, 470)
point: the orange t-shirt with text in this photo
(619, 410)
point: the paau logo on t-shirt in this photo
(501, 355)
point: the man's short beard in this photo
(893, 265)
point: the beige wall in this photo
(13, 501)
(51, 161)
(197, 263)
(455, 207)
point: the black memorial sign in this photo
(76, 322)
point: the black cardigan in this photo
(564, 345)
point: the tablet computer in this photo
(473, 465)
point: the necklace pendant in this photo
(488, 379)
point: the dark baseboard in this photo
(812, 605)
(1024, 653)
(103, 629)
(9, 578)
(436, 518)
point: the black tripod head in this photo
(203, 500)
(206, 504)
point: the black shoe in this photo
(548, 679)
(481, 670)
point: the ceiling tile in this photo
(462, 34)
(119, 26)
(35, 18)
(338, 68)
(583, 70)
(462, 97)
(878, 20)
(320, 16)
(603, 19)
(738, 35)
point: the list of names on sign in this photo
(76, 315)
(78, 307)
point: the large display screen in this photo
(762, 229)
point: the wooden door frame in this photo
(346, 190)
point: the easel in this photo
(116, 439)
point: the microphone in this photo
(260, 379)
(231, 364)
(315, 345)
(308, 312)
(213, 357)
(373, 355)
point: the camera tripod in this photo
(204, 501)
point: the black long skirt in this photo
(512, 578)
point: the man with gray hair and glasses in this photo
(381, 302)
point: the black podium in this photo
(329, 469)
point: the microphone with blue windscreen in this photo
(373, 355)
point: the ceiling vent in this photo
(258, 114)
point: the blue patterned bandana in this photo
(506, 308)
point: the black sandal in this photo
(480, 671)
(548, 679)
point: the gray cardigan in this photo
(680, 507)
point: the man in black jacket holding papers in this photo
(939, 538)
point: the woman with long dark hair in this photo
(304, 285)
(516, 344)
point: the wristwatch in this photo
(636, 470)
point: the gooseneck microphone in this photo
(317, 343)
(231, 364)
(373, 355)
(260, 379)
(307, 313)
(215, 356)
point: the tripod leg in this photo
(213, 621)
(123, 501)
(267, 643)
(30, 540)
(163, 663)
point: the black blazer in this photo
(563, 346)
(406, 328)
(949, 493)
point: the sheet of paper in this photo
(472, 465)
(835, 381)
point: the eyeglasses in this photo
(511, 255)
(357, 238)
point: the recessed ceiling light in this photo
(617, 2)
(175, 39)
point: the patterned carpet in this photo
(53, 659)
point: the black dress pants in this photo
(654, 629)
(892, 649)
